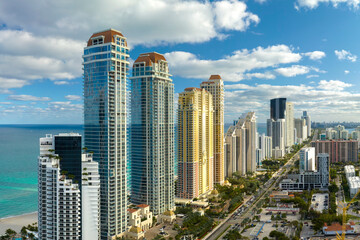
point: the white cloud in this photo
(143, 22)
(315, 55)
(53, 58)
(50, 45)
(233, 67)
(312, 76)
(9, 83)
(22, 43)
(237, 86)
(61, 83)
(27, 98)
(333, 85)
(232, 15)
(293, 70)
(53, 112)
(315, 3)
(65, 106)
(266, 75)
(345, 55)
(73, 97)
(346, 71)
(33, 68)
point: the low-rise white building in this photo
(349, 171)
(354, 185)
(336, 228)
(141, 217)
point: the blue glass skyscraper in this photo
(152, 133)
(105, 73)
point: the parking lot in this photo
(320, 202)
(266, 225)
(163, 229)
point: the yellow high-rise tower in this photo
(215, 86)
(195, 143)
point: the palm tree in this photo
(11, 233)
(23, 232)
(31, 236)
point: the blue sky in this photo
(305, 50)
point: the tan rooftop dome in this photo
(169, 213)
(213, 77)
(150, 58)
(192, 88)
(214, 192)
(135, 229)
(108, 36)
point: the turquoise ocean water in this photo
(19, 149)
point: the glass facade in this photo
(69, 150)
(105, 73)
(152, 135)
(277, 108)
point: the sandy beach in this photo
(17, 222)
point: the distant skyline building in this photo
(307, 160)
(277, 127)
(105, 75)
(59, 212)
(241, 142)
(289, 119)
(339, 132)
(215, 86)
(152, 133)
(277, 130)
(338, 150)
(307, 118)
(265, 146)
(195, 143)
(301, 129)
(277, 108)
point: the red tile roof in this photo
(142, 205)
(337, 227)
(192, 88)
(132, 210)
(108, 36)
(150, 58)
(212, 77)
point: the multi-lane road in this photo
(247, 212)
(238, 217)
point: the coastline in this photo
(17, 222)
